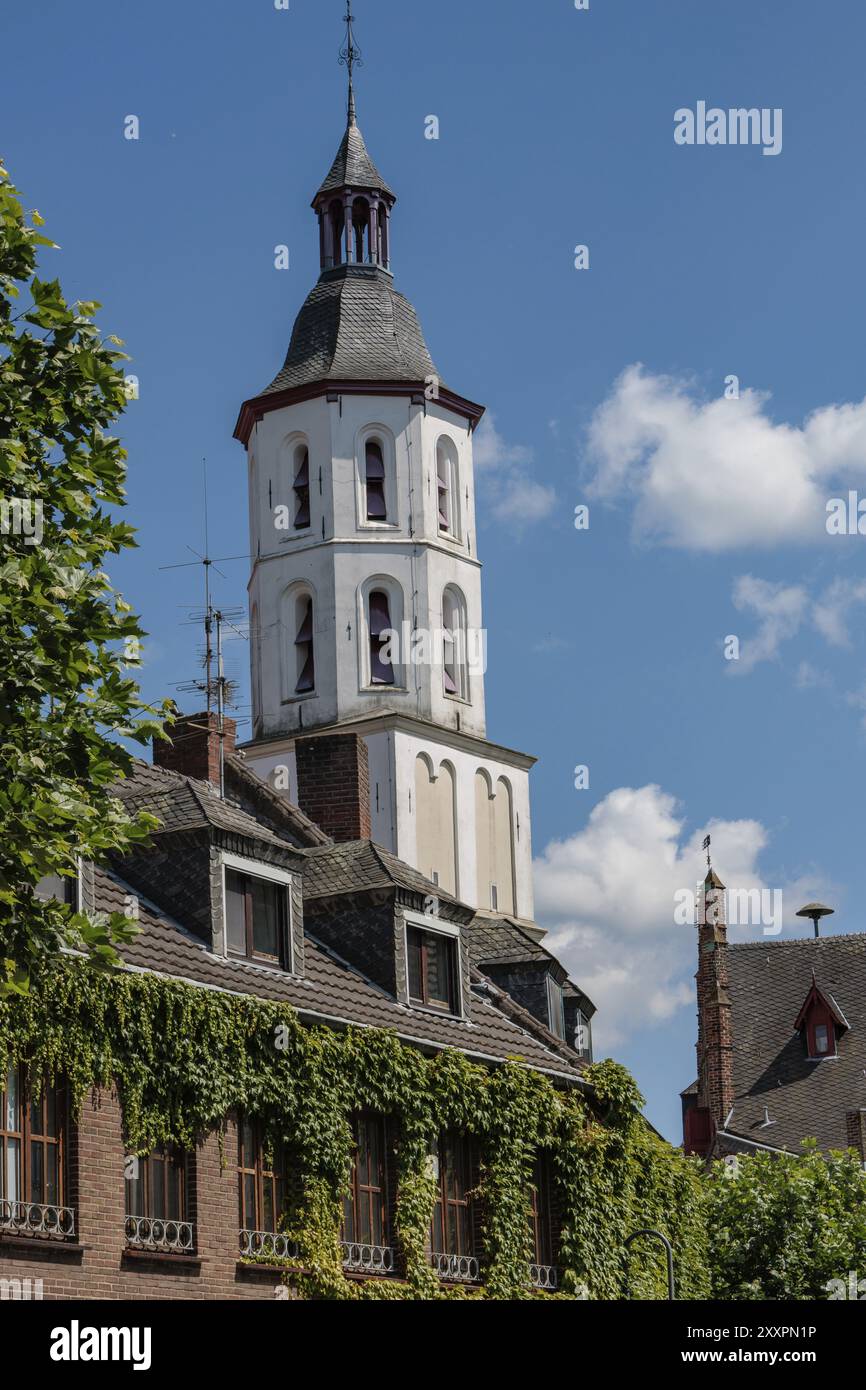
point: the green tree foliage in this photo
(785, 1225)
(67, 639)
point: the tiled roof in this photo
(354, 326)
(353, 167)
(330, 992)
(359, 865)
(769, 982)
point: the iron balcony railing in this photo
(544, 1277)
(456, 1269)
(153, 1233)
(34, 1219)
(367, 1259)
(269, 1245)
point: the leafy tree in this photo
(784, 1226)
(67, 638)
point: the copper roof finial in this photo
(350, 57)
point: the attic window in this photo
(821, 1022)
(555, 1008)
(432, 969)
(257, 918)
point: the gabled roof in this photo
(183, 803)
(499, 942)
(353, 167)
(354, 326)
(817, 996)
(330, 992)
(359, 865)
(773, 1076)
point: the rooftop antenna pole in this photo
(208, 617)
(221, 701)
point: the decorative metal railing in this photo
(457, 1269)
(152, 1233)
(32, 1219)
(270, 1245)
(544, 1276)
(367, 1259)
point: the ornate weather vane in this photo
(350, 56)
(706, 846)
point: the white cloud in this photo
(780, 610)
(516, 497)
(719, 474)
(607, 897)
(830, 613)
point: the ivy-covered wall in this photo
(183, 1058)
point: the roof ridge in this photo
(799, 941)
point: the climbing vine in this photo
(183, 1058)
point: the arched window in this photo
(301, 487)
(379, 624)
(446, 488)
(305, 662)
(360, 228)
(455, 669)
(374, 475)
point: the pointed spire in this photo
(350, 57)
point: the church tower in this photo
(365, 592)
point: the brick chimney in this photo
(195, 746)
(334, 784)
(715, 1033)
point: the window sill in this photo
(54, 1247)
(300, 699)
(432, 1012)
(163, 1257)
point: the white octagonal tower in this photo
(365, 592)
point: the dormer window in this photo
(555, 1008)
(257, 913)
(821, 1023)
(432, 969)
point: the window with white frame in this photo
(257, 912)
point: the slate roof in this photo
(769, 982)
(501, 942)
(354, 326)
(182, 803)
(330, 992)
(358, 865)
(353, 167)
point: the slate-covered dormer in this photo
(535, 979)
(225, 877)
(395, 926)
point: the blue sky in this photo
(707, 517)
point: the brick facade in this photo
(715, 1033)
(334, 784)
(97, 1265)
